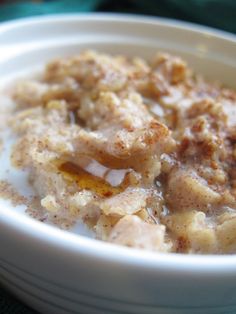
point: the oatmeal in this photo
(7, 191)
(143, 152)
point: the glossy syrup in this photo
(91, 175)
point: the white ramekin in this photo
(58, 272)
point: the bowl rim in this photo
(209, 265)
(99, 16)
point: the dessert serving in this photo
(143, 152)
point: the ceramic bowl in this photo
(60, 272)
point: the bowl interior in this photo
(32, 42)
(24, 55)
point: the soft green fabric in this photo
(216, 13)
(25, 8)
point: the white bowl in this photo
(59, 272)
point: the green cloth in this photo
(216, 13)
(27, 8)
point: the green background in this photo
(217, 13)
